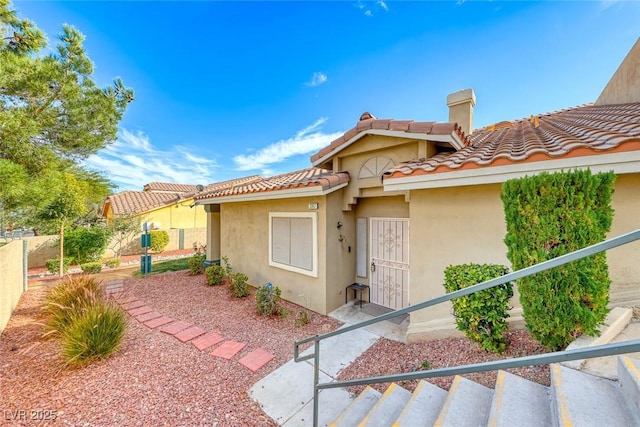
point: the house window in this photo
(293, 242)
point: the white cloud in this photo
(307, 140)
(364, 6)
(317, 79)
(132, 161)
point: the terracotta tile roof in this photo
(368, 122)
(230, 183)
(170, 187)
(131, 202)
(311, 177)
(128, 202)
(580, 131)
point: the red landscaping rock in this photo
(206, 341)
(176, 327)
(158, 321)
(190, 333)
(256, 359)
(228, 349)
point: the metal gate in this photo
(389, 262)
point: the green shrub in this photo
(302, 319)
(482, 316)
(69, 298)
(53, 265)
(159, 240)
(196, 264)
(91, 267)
(113, 262)
(239, 286)
(227, 267)
(267, 297)
(549, 215)
(86, 244)
(215, 275)
(94, 333)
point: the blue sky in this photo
(230, 89)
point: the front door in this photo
(389, 285)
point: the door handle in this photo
(373, 266)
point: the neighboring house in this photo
(392, 203)
(165, 205)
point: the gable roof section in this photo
(369, 125)
(170, 187)
(600, 137)
(134, 202)
(305, 182)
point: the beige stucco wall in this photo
(624, 265)
(12, 280)
(354, 157)
(244, 239)
(466, 225)
(624, 85)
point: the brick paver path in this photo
(186, 332)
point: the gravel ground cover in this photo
(388, 357)
(155, 380)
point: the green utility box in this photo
(145, 264)
(145, 240)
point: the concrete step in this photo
(423, 407)
(466, 405)
(580, 399)
(520, 402)
(629, 378)
(358, 408)
(387, 408)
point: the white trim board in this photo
(313, 191)
(620, 163)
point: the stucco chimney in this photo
(461, 109)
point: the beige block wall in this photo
(244, 240)
(12, 280)
(42, 248)
(466, 225)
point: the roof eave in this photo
(619, 162)
(310, 191)
(453, 139)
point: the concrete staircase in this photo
(574, 399)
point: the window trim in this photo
(314, 242)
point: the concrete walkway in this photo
(286, 394)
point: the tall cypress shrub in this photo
(549, 215)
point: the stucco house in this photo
(165, 205)
(392, 203)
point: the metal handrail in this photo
(585, 353)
